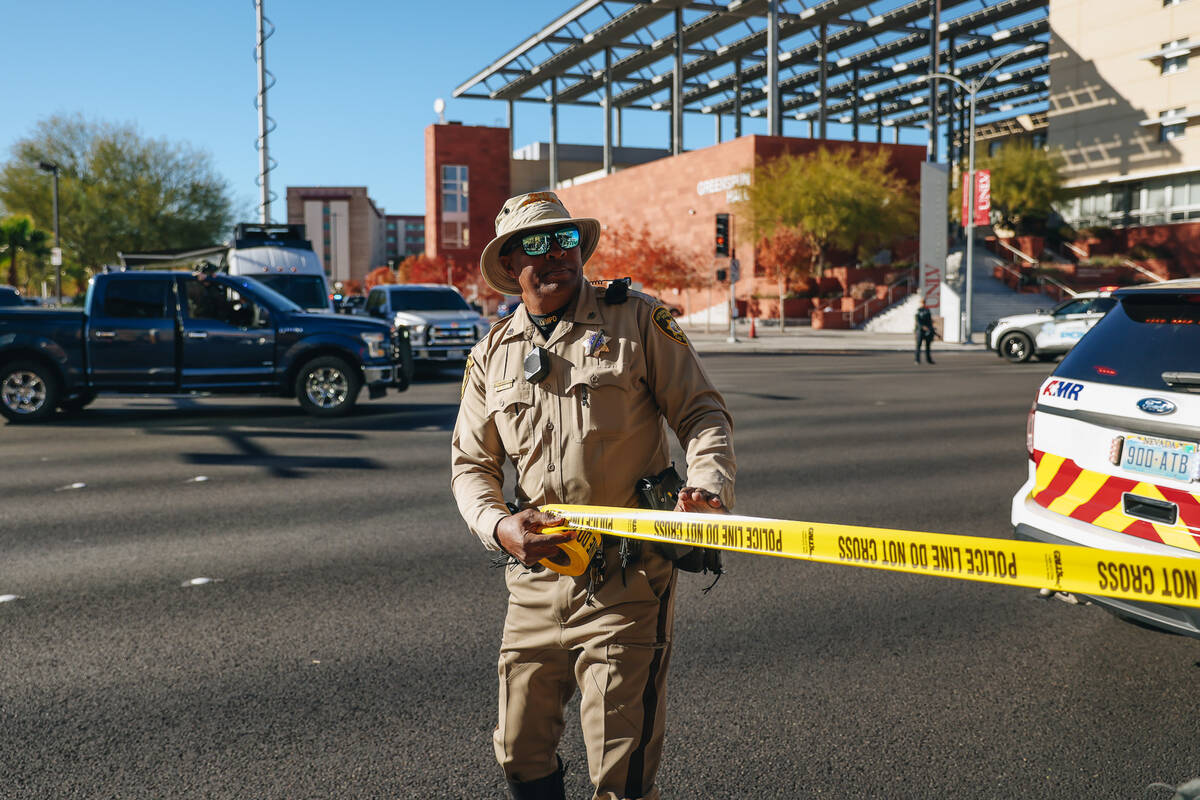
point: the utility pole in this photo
(265, 123)
(56, 254)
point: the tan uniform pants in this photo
(616, 651)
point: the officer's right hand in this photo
(521, 537)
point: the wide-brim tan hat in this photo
(527, 212)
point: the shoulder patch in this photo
(667, 324)
(466, 376)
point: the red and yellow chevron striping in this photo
(1062, 486)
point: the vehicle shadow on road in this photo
(187, 412)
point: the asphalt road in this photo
(344, 643)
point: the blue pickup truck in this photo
(177, 332)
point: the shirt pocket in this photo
(600, 396)
(511, 410)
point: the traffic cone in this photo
(753, 335)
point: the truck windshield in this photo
(1146, 335)
(306, 291)
(428, 300)
(273, 297)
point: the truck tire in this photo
(29, 391)
(1016, 347)
(328, 387)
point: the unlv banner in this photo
(983, 197)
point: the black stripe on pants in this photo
(637, 759)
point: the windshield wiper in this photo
(1187, 381)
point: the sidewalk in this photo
(803, 339)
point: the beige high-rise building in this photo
(345, 227)
(1125, 111)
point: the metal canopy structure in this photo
(848, 62)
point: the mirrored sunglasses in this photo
(538, 244)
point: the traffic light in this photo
(722, 234)
(720, 276)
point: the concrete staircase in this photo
(990, 298)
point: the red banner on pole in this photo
(983, 197)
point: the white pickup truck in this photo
(444, 327)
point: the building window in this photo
(1174, 130)
(1174, 63)
(455, 235)
(1150, 202)
(455, 207)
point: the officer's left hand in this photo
(699, 501)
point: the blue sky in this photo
(356, 83)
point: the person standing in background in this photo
(924, 332)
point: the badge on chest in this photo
(595, 344)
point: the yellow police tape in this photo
(1064, 568)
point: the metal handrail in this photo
(1059, 284)
(1077, 250)
(1155, 277)
(891, 294)
(1042, 279)
(1016, 252)
(1015, 273)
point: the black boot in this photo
(547, 788)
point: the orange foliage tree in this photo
(377, 276)
(651, 261)
(462, 275)
(784, 256)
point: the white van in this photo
(282, 258)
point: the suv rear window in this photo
(428, 300)
(1146, 335)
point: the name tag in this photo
(500, 385)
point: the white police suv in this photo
(1114, 443)
(1047, 334)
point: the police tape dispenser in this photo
(575, 554)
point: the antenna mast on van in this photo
(265, 124)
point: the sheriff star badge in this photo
(596, 344)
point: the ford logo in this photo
(1156, 405)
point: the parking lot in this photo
(227, 598)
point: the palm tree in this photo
(19, 234)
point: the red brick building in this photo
(466, 182)
(677, 197)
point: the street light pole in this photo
(972, 89)
(52, 167)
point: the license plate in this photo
(1165, 458)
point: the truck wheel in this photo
(29, 391)
(328, 387)
(1016, 347)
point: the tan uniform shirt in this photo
(594, 425)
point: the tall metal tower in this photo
(265, 124)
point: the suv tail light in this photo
(1029, 430)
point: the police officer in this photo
(924, 330)
(573, 388)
